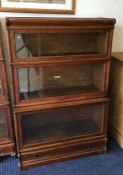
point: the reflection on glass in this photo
(1, 92)
(3, 124)
(55, 44)
(42, 82)
(62, 123)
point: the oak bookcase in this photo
(60, 71)
(6, 134)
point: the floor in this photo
(103, 164)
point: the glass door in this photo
(3, 124)
(61, 124)
(54, 81)
(59, 43)
(3, 84)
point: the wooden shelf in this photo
(59, 92)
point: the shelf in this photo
(56, 131)
(67, 54)
(58, 92)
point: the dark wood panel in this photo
(31, 159)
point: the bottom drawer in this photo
(7, 149)
(51, 155)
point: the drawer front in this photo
(7, 149)
(64, 152)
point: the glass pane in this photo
(1, 91)
(3, 124)
(59, 43)
(62, 123)
(43, 82)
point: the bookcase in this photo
(6, 134)
(116, 95)
(60, 72)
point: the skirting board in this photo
(116, 134)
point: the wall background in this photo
(90, 8)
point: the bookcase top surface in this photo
(118, 56)
(67, 22)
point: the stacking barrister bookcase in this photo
(60, 70)
(6, 138)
